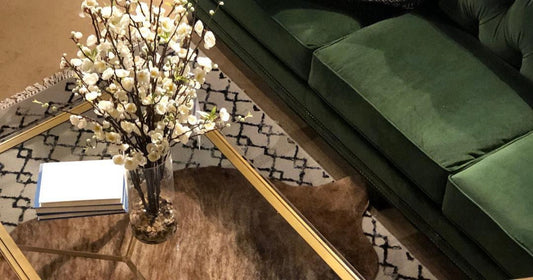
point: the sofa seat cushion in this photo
(424, 100)
(491, 202)
(293, 29)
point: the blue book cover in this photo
(36, 203)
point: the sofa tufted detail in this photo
(504, 26)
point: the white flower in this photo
(160, 108)
(147, 100)
(104, 47)
(124, 22)
(142, 8)
(166, 24)
(205, 62)
(184, 29)
(76, 62)
(90, 79)
(96, 128)
(151, 148)
(128, 83)
(143, 76)
(123, 49)
(106, 12)
(112, 58)
(130, 163)
(199, 75)
(91, 95)
(147, 34)
(89, 4)
(209, 126)
(85, 51)
(154, 72)
(184, 138)
(153, 157)
(209, 40)
(91, 40)
(199, 27)
(77, 35)
(62, 63)
(118, 159)
(139, 158)
(130, 108)
(174, 46)
(115, 114)
(224, 115)
(100, 66)
(86, 65)
(127, 126)
(107, 74)
(106, 105)
(138, 17)
(82, 123)
(121, 95)
(171, 107)
(156, 136)
(182, 52)
(74, 120)
(179, 130)
(121, 73)
(171, 87)
(191, 119)
(112, 137)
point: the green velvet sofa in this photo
(432, 106)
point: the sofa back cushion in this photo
(504, 26)
(372, 11)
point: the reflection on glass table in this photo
(258, 227)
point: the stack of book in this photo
(80, 188)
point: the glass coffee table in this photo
(264, 227)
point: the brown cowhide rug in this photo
(226, 231)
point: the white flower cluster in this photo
(140, 70)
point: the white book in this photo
(77, 214)
(84, 208)
(80, 183)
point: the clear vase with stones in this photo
(151, 211)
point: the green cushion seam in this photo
(335, 41)
(290, 33)
(392, 123)
(476, 160)
(517, 240)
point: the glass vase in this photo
(150, 193)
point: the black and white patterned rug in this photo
(260, 139)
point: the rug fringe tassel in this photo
(32, 90)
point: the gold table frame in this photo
(24, 270)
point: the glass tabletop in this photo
(267, 230)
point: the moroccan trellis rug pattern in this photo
(262, 142)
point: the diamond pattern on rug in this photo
(260, 140)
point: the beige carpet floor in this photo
(34, 34)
